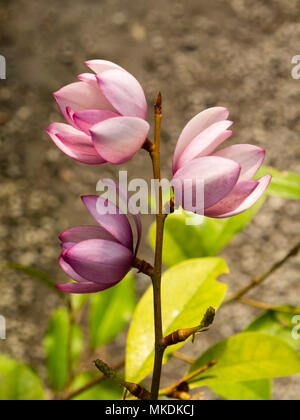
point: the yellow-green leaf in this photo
(188, 290)
(247, 357)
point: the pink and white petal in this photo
(89, 78)
(217, 175)
(118, 139)
(99, 261)
(116, 223)
(207, 141)
(74, 143)
(80, 96)
(234, 199)
(263, 184)
(248, 156)
(83, 233)
(69, 270)
(194, 127)
(124, 196)
(124, 92)
(85, 120)
(79, 288)
(99, 66)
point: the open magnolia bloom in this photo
(106, 115)
(226, 175)
(98, 257)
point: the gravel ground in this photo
(236, 54)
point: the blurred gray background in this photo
(199, 54)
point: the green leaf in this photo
(56, 344)
(279, 324)
(111, 310)
(247, 357)
(182, 241)
(188, 290)
(105, 390)
(18, 382)
(36, 274)
(284, 183)
(260, 390)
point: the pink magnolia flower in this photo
(106, 114)
(98, 257)
(227, 174)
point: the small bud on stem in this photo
(183, 334)
(136, 390)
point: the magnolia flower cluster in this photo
(105, 115)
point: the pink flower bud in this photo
(106, 115)
(98, 257)
(226, 175)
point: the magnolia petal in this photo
(74, 143)
(118, 139)
(84, 120)
(80, 96)
(99, 66)
(69, 270)
(234, 199)
(99, 261)
(199, 123)
(248, 156)
(217, 175)
(249, 201)
(83, 233)
(207, 141)
(78, 288)
(124, 196)
(115, 223)
(124, 92)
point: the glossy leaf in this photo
(247, 357)
(110, 311)
(184, 241)
(260, 390)
(18, 382)
(279, 324)
(105, 390)
(188, 289)
(284, 183)
(36, 274)
(56, 344)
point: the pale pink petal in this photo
(116, 224)
(118, 139)
(218, 176)
(79, 288)
(80, 96)
(69, 270)
(99, 261)
(74, 143)
(124, 196)
(83, 233)
(205, 143)
(99, 66)
(263, 184)
(234, 199)
(248, 156)
(124, 92)
(199, 123)
(84, 120)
